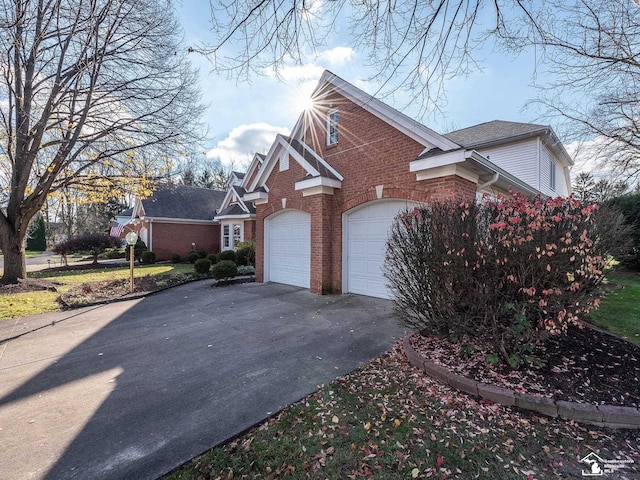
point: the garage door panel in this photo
(367, 230)
(289, 248)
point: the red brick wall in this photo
(250, 229)
(369, 152)
(170, 238)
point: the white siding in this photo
(519, 159)
(546, 157)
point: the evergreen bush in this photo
(202, 265)
(192, 257)
(224, 269)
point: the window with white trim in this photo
(232, 234)
(332, 127)
(226, 238)
(237, 234)
(552, 174)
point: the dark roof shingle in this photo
(493, 132)
(183, 201)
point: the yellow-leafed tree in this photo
(94, 95)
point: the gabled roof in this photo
(183, 202)
(497, 132)
(255, 165)
(310, 161)
(313, 159)
(413, 129)
(125, 213)
(234, 205)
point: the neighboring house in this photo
(237, 217)
(326, 195)
(177, 219)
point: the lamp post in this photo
(131, 238)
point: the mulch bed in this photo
(585, 366)
(111, 290)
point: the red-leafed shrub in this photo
(90, 243)
(506, 272)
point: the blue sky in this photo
(243, 118)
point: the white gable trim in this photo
(230, 198)
(256, 163)
(273, 156)
(318, 182)
(390, 115)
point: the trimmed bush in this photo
(213, 258)
(202, 254)
(192, 257)
(148, 257)
(202, 265)
(175, 257)
(246, 253)
(227, 255)
(224, 270)
(507, 273)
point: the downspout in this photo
(493, 180)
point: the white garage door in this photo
(366, 232)
(288, 248)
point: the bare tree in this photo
(588, 52)
(591, 52)
(95, 95)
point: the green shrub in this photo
(224, 270)
(246, 270)
(246, 253)
(629, 206)
(175, 257)
(115, 253)
(227, 255)
(148, 257)
(507, 273)
(202, 254)
(192, 257)
(202, 265)
(213, 258)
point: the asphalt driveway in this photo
(134, 389)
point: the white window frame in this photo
(333, 118)
(552, 175)
(229, 236)
(226, 237)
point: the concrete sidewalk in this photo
(134, 389)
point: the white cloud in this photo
(244, 141)
(337, 55)
(298, 72)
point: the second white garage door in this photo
(366, 230)
(288, 248)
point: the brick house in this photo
(236, 216)
(326, 195)
(177, 218)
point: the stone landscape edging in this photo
(611, 416)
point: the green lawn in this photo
(620, 309)
(33, 303)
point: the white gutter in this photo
(493, 180)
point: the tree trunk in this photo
(15, 265)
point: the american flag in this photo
(116, 229)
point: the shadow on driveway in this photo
(134, 389)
